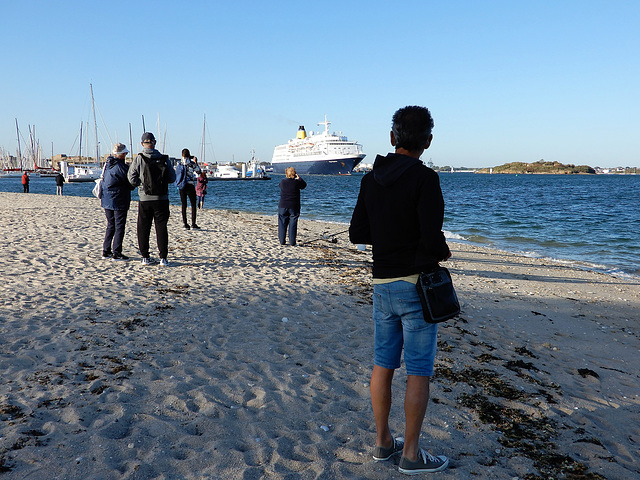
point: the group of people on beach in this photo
(399, 211)
(151, 172)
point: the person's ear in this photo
(393, 139)
(428, 144)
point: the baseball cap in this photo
(148, 137)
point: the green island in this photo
(540, 167)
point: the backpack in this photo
(154, 175)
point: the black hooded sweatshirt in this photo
(400, 211)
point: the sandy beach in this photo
(248, 360)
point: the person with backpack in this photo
(186, 182)
(152, 173)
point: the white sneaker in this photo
(146, 261)
(163, 262)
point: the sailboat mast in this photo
(204, 123)
(19, 151)
(80, 153)
(86, 141)
(95, 126)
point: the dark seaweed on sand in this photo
(530, 435)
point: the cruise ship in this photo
(319, 153)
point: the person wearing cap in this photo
(152, 172)
(116, 198)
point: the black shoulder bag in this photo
(437, 295)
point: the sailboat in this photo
(84, 172)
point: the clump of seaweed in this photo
(531, 437)
(490, 380)
(132, 323)
(10, 412)
(4, 465)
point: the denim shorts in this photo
(397, 313)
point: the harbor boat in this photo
(255, 171)
(226, 172)
(11, 172)
(80, 173)
(230, 172)
(46, 172)
(251, 170)
(321, 153)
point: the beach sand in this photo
(248, 360)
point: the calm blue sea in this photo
(591, 221)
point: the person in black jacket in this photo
(116, 198)
(289, 205)
(59, 183)
(400, 211)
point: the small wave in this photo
(453, 236)
(581, 265)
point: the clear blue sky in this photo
(505, 80)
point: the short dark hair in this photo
(412, 127)
(186, 153)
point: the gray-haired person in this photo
(400, 211)
(116, 199)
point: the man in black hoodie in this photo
(400, 211)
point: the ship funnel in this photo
(302, 134)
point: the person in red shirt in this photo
(25, 182)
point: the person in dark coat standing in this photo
(289, 206)
(59, 183)
(116, 198)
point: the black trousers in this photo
(157, 212)
(189, 191)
